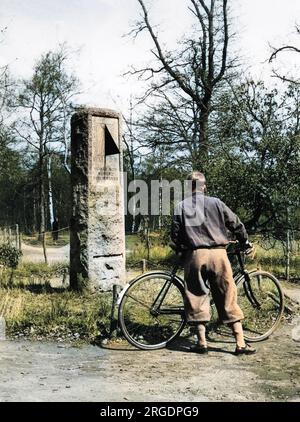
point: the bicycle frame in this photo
(157, 308)
(241, 274)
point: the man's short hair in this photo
(198, 180)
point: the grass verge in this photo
(64, 315)
(31, 307)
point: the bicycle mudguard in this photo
(158, 272)
(121, 294)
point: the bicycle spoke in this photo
(141, 326)
(138, 301)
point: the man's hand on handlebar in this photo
(179, 250)
(248, 248)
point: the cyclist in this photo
(200, 229)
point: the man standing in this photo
(200, 228)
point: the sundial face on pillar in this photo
(105, 152)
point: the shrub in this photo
(9, 256)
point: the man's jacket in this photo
(201, 221)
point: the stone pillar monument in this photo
(97, 238)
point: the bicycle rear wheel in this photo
(261, 298)
(151, 312)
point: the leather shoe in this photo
(247, 350)
(199, 349)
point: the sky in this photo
(95, 30)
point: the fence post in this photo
(4, 235)
(17, 236)
(113, 320)
(9, 236)
(144, 267)
(20, 242)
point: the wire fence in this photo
(59, 237)
(12, 235)
(51, 246)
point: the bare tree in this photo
(171, 122)
(199, 64)
(46, 102)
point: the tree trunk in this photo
(42, 231)
(42, 228)
(50, 192)
(203, 138)
(288, 255)
(288, 246)
(160, 205)
(25, 224)
(131, 160)
(41, 201)
(133, 219)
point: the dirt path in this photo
(36, 371)
(54, 254)
(33, 371)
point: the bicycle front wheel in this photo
(261, 298)
(151, 312)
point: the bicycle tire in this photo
(262, 301)
(139, 326)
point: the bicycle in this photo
(151, 308)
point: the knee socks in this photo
(201, 335)
(237, 330)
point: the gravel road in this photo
(42, 371)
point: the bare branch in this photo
(285, 48)
(205, 7)
(225, 45)
(174, 74)
(284, 78)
